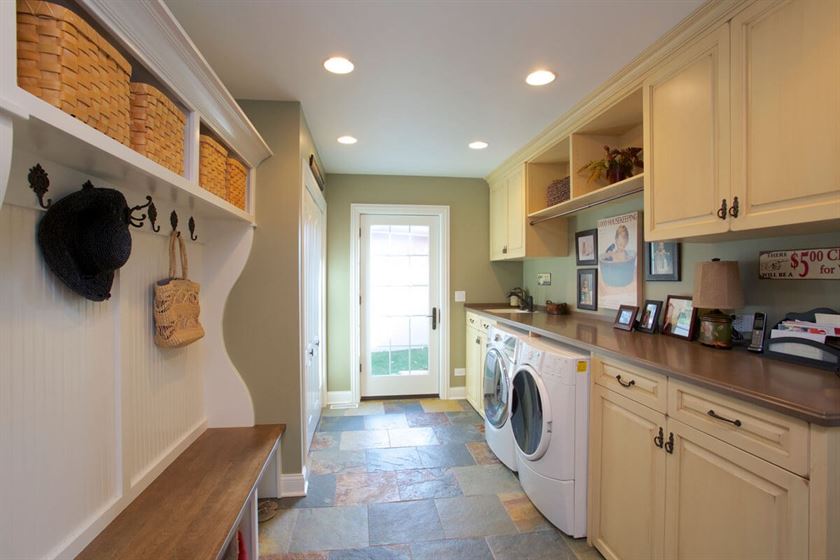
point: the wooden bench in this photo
(194, 508)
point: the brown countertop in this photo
(808, 393)
(190, 510)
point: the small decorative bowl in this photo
(556, 308)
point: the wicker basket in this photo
(558, 191)
(157, 127)
(212, 166)
(237, 182)
(65, 62)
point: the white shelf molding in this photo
(627, 187)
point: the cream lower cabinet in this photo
(683, 493)
(474, 369)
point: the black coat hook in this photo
(39, 182)
(173, 219)
(140, 221)
(191, 225)
(153, 217)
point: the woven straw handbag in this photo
(176, 303)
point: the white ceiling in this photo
(430, 76)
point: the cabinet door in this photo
(627, 478)
(786, 113)
(473, 371)
(686, 128)
(498, 220)
(516, 214)
(722, 502)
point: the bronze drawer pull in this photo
(713, 414)
(623, 384)
(721, 213)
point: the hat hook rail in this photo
(39, 182)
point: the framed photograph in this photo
(649, 320)
(586, 247)
(587, 289)
(619, 272)
(662, 261)
(625, 319)
(680, 317)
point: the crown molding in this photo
(625, 81)
(150, 32)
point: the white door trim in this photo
(356, 211)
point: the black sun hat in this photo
(84, 238)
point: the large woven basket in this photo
(65, 62)
(157, 127)
(237, 182)
(212, 166)
(558, 191)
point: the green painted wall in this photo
(774, 297)
(470, 267)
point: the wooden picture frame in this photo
(587, 289)
(680, 317)
(589, 240)
(663, 261)
(625, 319)
(649, 321)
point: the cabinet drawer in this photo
(642, 386)
(485, 324)
(479, 322)
(779, 439)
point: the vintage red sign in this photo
(800, 264)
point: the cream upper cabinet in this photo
(627, 474)
(498, 219)
(686, 145)
(786, 113)
(516, 213)
(725, 503)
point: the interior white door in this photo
(400, 289)
(313, 288)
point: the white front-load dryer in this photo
(549, 419)
(502, 348)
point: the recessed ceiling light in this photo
(338, 65)
(346, 140)
(478, 145)
(540, 78)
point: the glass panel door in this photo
(400, 299)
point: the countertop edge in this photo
(759, 399)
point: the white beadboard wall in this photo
(90, 409)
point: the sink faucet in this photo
(528, 304)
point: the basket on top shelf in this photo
(64, 61)
(237, 182)
(212, 166)
(157, 127)
(558, 191)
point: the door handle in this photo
(659, 440)
(713, 414)
(669, 445)
(434, 318)
(733, 211)
(623, 384)
(721, 213)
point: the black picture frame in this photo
(670, 249)
(668, 328)
(593, 233)
(592, 274)
(625, 319)
(649, 321)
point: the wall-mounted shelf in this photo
(628, 187)
(57, 136)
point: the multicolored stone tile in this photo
(341, 423)
(363, 439)
(486, 479)
(474, 516)
(426, 419)
(438, 405)
(462, 549)
(385, 421)
(332, 528)
(465, 417)
(482, 453)
(448, 455)
(295, 556)
(321, 493)
(325, 440)
(366, 488)
(459, 433)
(404, 522)
(365, 408)
(523, 513)
(276, 534)
(542, 545)
(393, 459)
(336, 461)
(406, 407)
(411, 437)
(422, 484)
(390, 552)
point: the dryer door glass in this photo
(495, 389)
(526, 413)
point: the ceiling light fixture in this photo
(478, 145)
(346, 140)
(338, 65)
(540, 78)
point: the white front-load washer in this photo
(502, 348)
(549, 419)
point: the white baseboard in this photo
(339, 397)
(293, 485)
(457, 393)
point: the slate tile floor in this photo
(410, 480)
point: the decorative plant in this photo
(617, 165)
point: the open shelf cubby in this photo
(619, 126)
